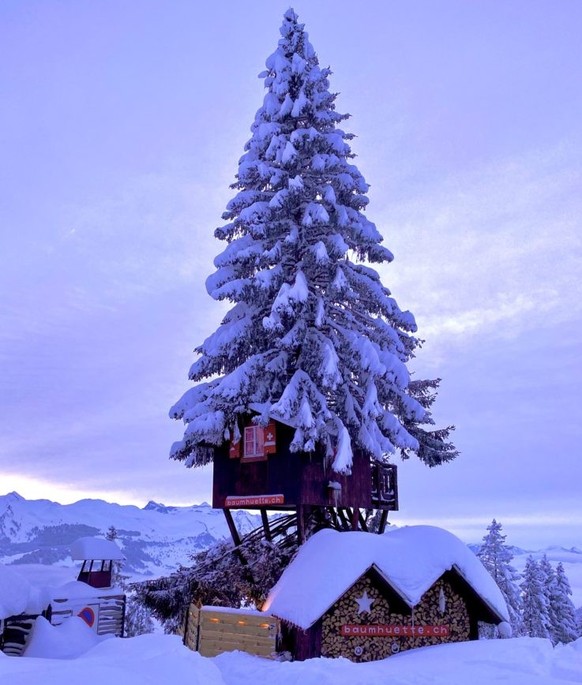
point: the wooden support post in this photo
(343, 518)
(354, 516)
(362, 520)
(334, 520)
(266, 527)
(383, 520)
(237, 543)
(232, 527)
(300, 524)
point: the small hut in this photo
(90, 597)
(365, 597)
(97, 555)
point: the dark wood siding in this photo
(302, 478)
(302, 644)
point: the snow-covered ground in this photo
(160, 659)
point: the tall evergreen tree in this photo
(313, 337)
(536, 618)
(566, 628)
(496, 556)
(550, 591)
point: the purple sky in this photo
(120, 128)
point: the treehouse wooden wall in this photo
(388, 609)
(300, 477)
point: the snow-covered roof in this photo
(264, 409)
(96, 548)
(76, 589)
(410, 559)
(18, 596)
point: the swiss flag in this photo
(234, 449)
(270, 438)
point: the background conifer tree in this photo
(313, 336)
(117, 578)
(536, 617)
(550, 591)
(566, 628)
(496, 556)
(138, 618)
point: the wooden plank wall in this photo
(111, 613)
(212, 632)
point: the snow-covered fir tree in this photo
(313, 336)
(566, 628)
(536, 617)
(550, 591)
(138, 618)
(117, 578)
(496, 556)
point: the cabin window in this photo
(254, 443)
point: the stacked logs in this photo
(369, 648)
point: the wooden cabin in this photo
(365, 597)
(259, 471)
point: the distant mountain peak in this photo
(158, 506)
(14, 496)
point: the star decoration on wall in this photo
(364, 603)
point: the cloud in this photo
(497, 250)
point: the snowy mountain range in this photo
(155, 539)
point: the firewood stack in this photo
(440, 606)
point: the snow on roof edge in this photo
(488, 604)
(89, 547)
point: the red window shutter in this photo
(270, 438)
(234, 449)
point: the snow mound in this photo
(411, 559)
(66, 641)
(155, 659)
(17, 595)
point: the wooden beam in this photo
(362, 520)
(334, 520)
(300, 524)
(383, 520)
(232, 527)
(266, 527)
(354, 516)
(343, 518)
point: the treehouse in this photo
(259, 471)
(366, 597)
